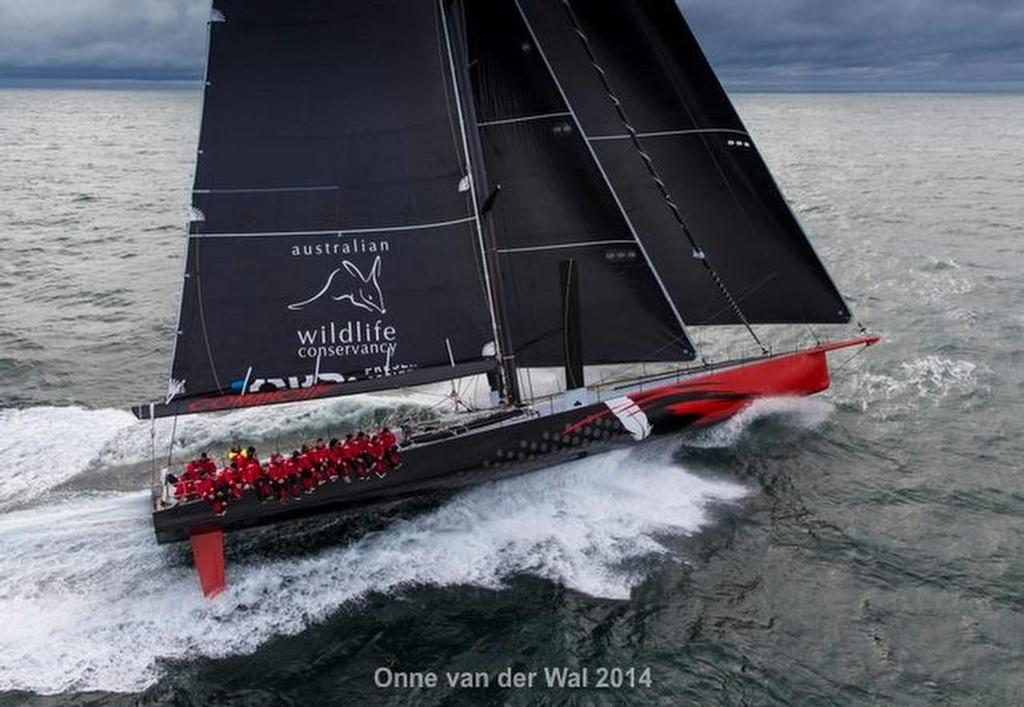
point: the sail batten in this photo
(343, 231)
(670, 133)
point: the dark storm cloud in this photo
(794, 44)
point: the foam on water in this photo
(200, 433)
(928, 380)
(45, 446)
(803, 413)
(92, 603)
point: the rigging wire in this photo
(652, 169)
(170, 447)
(850, 360)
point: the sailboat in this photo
(398, 193)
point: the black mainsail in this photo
(336, 241)
(390, 192)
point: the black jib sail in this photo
(335, 240)
(555, 204)
(702, 151)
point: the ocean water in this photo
(863, 547)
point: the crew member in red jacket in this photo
(353, 456)
(306, 464)
(279, 473)
(251, 474)
(204, 489)
(185, 490)
(335, 462)
(191, 472)
(375, 452)
(293, 465)
(207, 466)
(389, 445)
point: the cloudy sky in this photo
(755, 44)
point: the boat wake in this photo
(910, 385)
(45, 447)
(91, 602)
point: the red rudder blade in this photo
(208, 553)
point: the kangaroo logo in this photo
(363, 291)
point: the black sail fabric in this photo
(554, 204)
(710, 164)
(335, 240)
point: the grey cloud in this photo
(866, 44)
(98, 36)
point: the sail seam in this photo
(523, 119)
(671, 133)
(265, 190)
(600, 168)
(344, 232)
(565, 246)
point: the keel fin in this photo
(208, 553)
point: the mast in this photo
(504, 349)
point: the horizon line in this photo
(742, 87)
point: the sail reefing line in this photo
(652, 169)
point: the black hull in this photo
(515, 447)
(512, 443)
